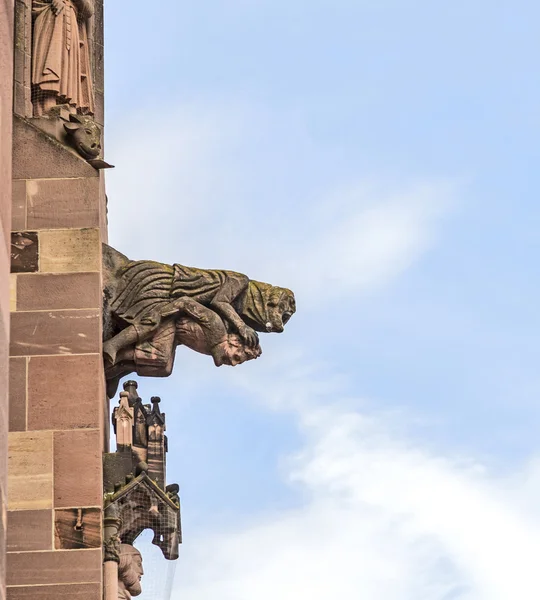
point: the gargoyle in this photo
(84, 135)
(152, 307)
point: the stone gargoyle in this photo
(150, 308)
(84, 135)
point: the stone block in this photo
(39, 156)
(77, 452)
(70, 250)
(100, 115)
(82, 591)
(58, 291)
(64, 392)
(30, 530)
(55, 332)
(18, 205)
(30, 467)
(22, 107)
(21, 66)
(62, 203)
(12, 293)
(76, 528)
(17, 394)
(24, 252)
(60, 567)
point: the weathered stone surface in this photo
(12, 292)
(77, 528)
(152, 307)
(62, 203)
(29, 530)
(70, 250)
(18, 206)
(84, 591)
(50, 405)
(130, 571)
(17, 394)
(55, 567)
(24, 252)
(58, 291)
(30, 464)
(141, 505)
(37, 155)
(55, 332)
(71, 450)
(84, 135)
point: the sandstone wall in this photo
(6, 102)
(57, 404)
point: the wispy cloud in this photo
(384, 517)
(188, 192)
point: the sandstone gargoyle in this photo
(152, 307)
(84, 135)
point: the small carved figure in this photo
(172, 491)
(61, 69)
(111, 549)
(214, 312)
(130, 572)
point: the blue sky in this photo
(380, 161)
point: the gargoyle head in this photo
(84, 135)
(267, 308)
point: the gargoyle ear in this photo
(71, 126)
(75, 119)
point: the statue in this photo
(130, 571)
(61, 69)
(151, 308)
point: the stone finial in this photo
(131, 388)
(123, 421)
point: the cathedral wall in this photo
(57, 403)
(6, 103)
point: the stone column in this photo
(111, 553)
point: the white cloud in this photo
(382, 518)
(190, 190)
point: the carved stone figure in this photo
(84, 135)
(153, 307)
(61, 69)
(201, 329)
(172, 492)
(141, 505)
(130, 572)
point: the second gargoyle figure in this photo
(151, 308)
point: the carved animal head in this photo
(84, 135)
(267, 308)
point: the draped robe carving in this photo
(61, 68)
